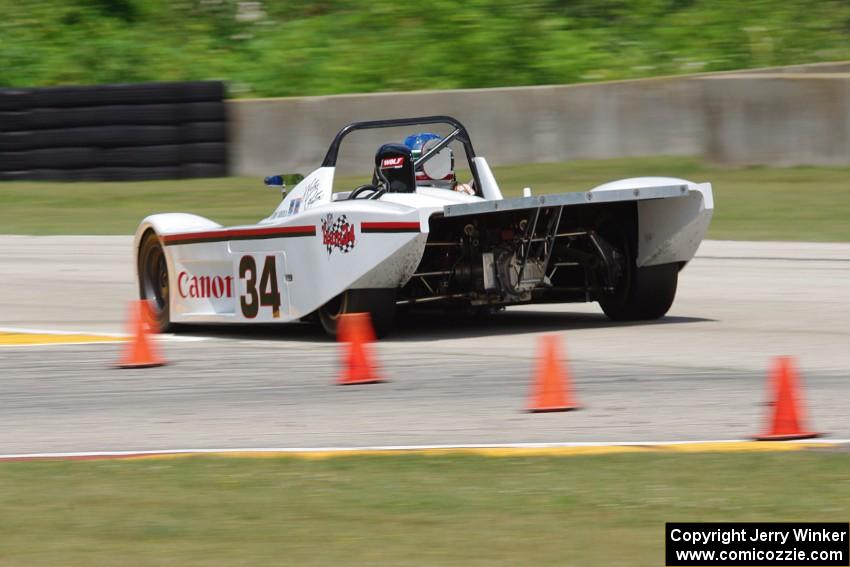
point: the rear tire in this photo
(378, 303)
(649, 296)
(640, 293)
(153, 279)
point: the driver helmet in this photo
(421, 143)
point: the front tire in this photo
(153, 279)
(378, 303)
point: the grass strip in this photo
(399, 510)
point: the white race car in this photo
(403, 240)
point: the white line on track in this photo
(57, 332)
(707, 444)
(61, 333)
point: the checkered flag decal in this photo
(338, 234)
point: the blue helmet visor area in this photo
(416, 141)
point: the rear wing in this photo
(672, 218)
(566, 199)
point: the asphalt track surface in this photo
(698, 374)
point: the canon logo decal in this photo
(204, 287)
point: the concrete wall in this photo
(773, 116)
(831, 67)
(778, 119)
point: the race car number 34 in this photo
(261, 289)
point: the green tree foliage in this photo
(302, 47)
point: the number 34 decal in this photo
(266, 294)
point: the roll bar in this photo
(460, 134)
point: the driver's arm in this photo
(466, 188)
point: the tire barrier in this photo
(114, 132)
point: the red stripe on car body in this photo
(389, 227)
(239, 234)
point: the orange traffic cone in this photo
(355, 331)
(140, 352)
(786, 423)
(551, 388)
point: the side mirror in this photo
(440, 165)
